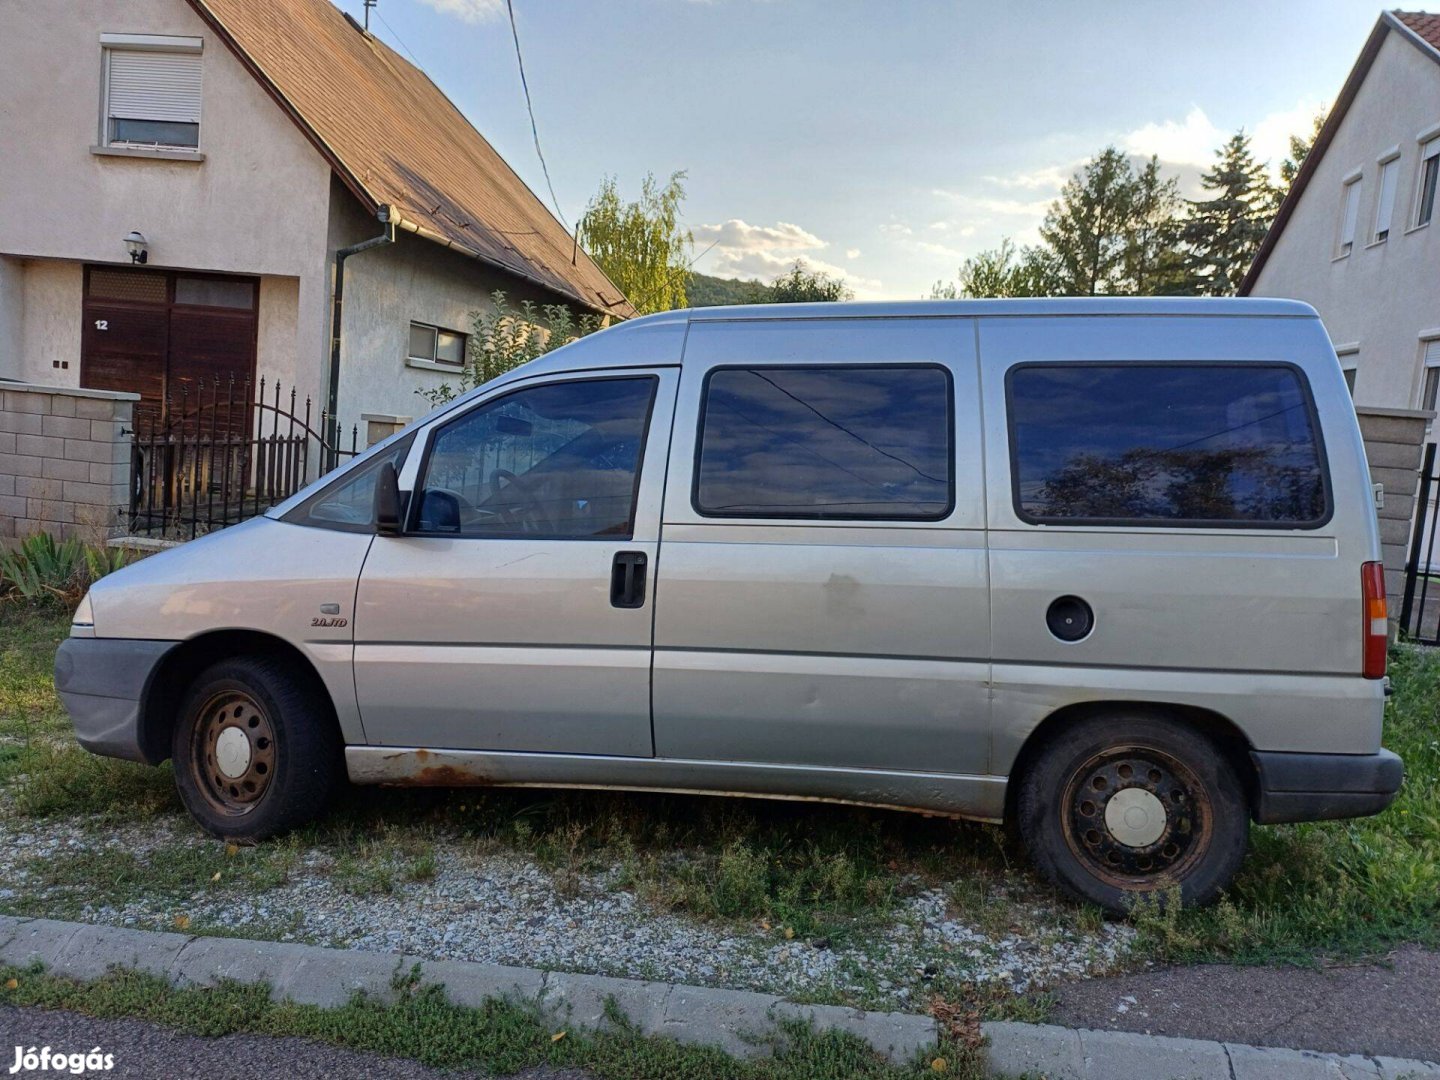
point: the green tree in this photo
(504, 337)
(1299, 150)
(804, 285)
(1223, 233)
(1000, 271)
(1154, 264)
(641, 245)
(1088, 228)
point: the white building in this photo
(1357, 236)
(247, 144)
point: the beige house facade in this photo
(1359, 235)
(183, 178)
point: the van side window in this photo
(851, 442)
(558, 461)
(348, 504)
(1165, 444)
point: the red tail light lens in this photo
(1377, 626)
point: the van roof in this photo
(1080, 305)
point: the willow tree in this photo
(641, 245)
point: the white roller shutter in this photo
(154, 86)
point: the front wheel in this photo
(255, 749)
(1116, 808)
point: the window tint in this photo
(826, 442)
(558, 461)
(348, 503)
(1165, 443)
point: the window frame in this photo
(1350, 193)
(409, 519)
(434, 359)
(1429, 151)
(1427, 368)
(1389, 167)
(110, 44)
(1175, 524)
(823, 516)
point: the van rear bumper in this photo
(1319, 787)
(102, 682)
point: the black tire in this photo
(1107, 853)
(289, 766)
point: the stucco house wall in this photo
(256, 204)
(1382, 300)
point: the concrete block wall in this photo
(1394, 445)
(64, 461)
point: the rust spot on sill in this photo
(446, 776)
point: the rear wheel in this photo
(255, 749)
(1115, 808)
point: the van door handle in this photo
(627, 580)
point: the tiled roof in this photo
(1423, 23)
(395, 139)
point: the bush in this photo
(45, 571)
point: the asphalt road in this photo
(149, 1050)
(1390, 1009)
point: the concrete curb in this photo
(731, 1019)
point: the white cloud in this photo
(1047, 178)
(741, 250)
(471, 11)
(1191, 141)
(738, 235)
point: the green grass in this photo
(500, 1037)
(805, 870)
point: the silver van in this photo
(1106, 569)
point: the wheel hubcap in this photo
(1136, 816)
(233, 757)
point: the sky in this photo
(882, 142)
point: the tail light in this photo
(1377, 625)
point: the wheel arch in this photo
(1216, 727)
(175, 673)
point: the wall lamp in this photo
(135, 244)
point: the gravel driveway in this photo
(502, 908)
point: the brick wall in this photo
(1394, 445)
(64, 463)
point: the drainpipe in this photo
(387, 216)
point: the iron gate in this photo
(1420, 608)
(218, 456)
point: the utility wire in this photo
(529, 106)
(386, 23)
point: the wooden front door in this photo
(161, 333)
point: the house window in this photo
(1430, 389)
(1429, 172)
(151, 92)
(1349, 217)
(1385, 205)
(1349, 356)
(435, 345)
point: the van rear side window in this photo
(1209, 444)
(843, 442)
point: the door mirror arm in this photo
(388, 512)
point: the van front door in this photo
(515, 611)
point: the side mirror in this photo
(387, 501)
(439, 512)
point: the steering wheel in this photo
(528, 514)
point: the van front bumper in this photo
(1320, 787)
(102, 682)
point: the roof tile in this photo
(404, 143)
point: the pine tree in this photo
(1086, 228)
(1223, 233)
(1154, 263)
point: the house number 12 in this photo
(102, 324)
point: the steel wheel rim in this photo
(1155, 781)
(233, 753)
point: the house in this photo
(200, 190)
(1354, 237)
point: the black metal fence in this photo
(222, 452)
(1420, 607)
